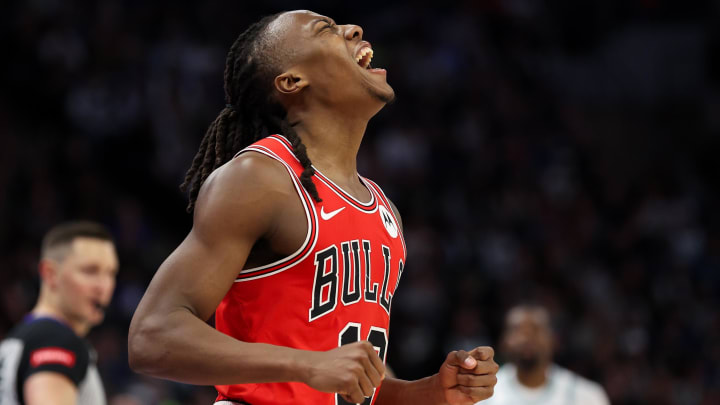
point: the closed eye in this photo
(90, 270)
(328, 25)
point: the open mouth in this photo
(364, 57)
(98, 306)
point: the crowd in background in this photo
(560, 152)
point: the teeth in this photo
(362, 53)
(364, 57)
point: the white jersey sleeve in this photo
(563, 387)
(590, 393)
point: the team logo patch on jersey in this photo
(388, 221)
(52, 355)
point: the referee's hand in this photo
(353, 371)
(468, 377)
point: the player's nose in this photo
(353, 32)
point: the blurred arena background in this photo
(562, 151)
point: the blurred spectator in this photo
(530, 376)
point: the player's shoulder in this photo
(247, 172)
(504, 391)
(253, 185)
(49, 336)
(505, 376)
(245, 179)
(47, 345)
(47, 340)
(585, 390)
(506, 369)
(42, 330)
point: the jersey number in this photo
(379, 340)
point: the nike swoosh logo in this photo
(328, 215)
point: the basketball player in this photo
(299, 261)
(45, 360)
(531, 377)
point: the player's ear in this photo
(290, 82)
(48, 270)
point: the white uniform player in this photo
(530, 377)
(562, 387)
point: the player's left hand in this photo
(468, 377)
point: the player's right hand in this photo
(351, 370)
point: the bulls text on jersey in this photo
(326, 292)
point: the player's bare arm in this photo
(49, 388)
(240, 204)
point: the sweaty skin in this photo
(329, 99)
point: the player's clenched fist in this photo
(352, 370)
(468, 377)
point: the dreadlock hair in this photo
(251, 112)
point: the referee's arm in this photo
(49, 388)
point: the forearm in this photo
(183, 348)
(426, 391)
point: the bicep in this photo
(198, 274)
(49, 388)
(235, 208)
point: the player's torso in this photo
(561, 388)
(336, 289)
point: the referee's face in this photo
(86, 280)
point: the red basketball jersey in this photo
(337, 288)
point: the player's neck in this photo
(332, 141)
(45, 309)
(533, 377)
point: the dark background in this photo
(559, 151)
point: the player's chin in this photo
(95, 319)
(377, 82)
(96, 316)
(383, 93)
(389, 96)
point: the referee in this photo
(531, 378)
(45, 359)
